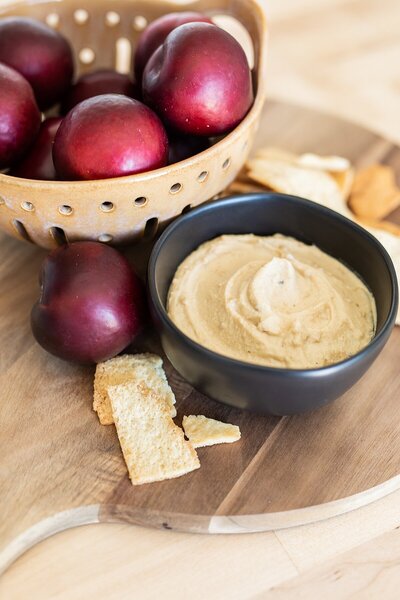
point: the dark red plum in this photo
(199, 80)
(19, 116)
(109, 136)
(103, 81)
(154, 35)
(43, 56)
(38, 163)
(91, 305)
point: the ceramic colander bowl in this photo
(103, 33)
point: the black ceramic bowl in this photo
(266, 389)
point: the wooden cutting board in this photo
(59, 468)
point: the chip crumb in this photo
(202, 431)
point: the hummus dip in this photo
(271, 301)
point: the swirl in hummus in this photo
(271, 301)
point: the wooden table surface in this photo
(341, 56)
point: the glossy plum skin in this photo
(199, 80)
(19, 116)
(91, 305)
(109, 136)
(154, 35)
(42, 55)
(38, 163)
(103, 81)
(184, 146)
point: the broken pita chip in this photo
(374, 193)
(154, 448)
(337, 166)
(332, 164)
(312, 184)
(203, 431)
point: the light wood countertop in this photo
(341, 56)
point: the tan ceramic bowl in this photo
(123, 209)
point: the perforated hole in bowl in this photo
(175, 189)
(59, 236)
(65, 210)
(53, 20)
(123, 55)
(150, 229)
(112, 18)
(81, 16)
(105, 238)
(139, 23)
(107, 206)
(28, 206)
(21, 230)
(186, 209)
(226, 163)
(202, 177)
(87, 56)
(141, 201)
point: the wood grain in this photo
(202, 566)
(60, 467)
(372, 570)
(120, 561)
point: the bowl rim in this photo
(233, 200)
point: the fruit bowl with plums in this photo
(117, 117)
